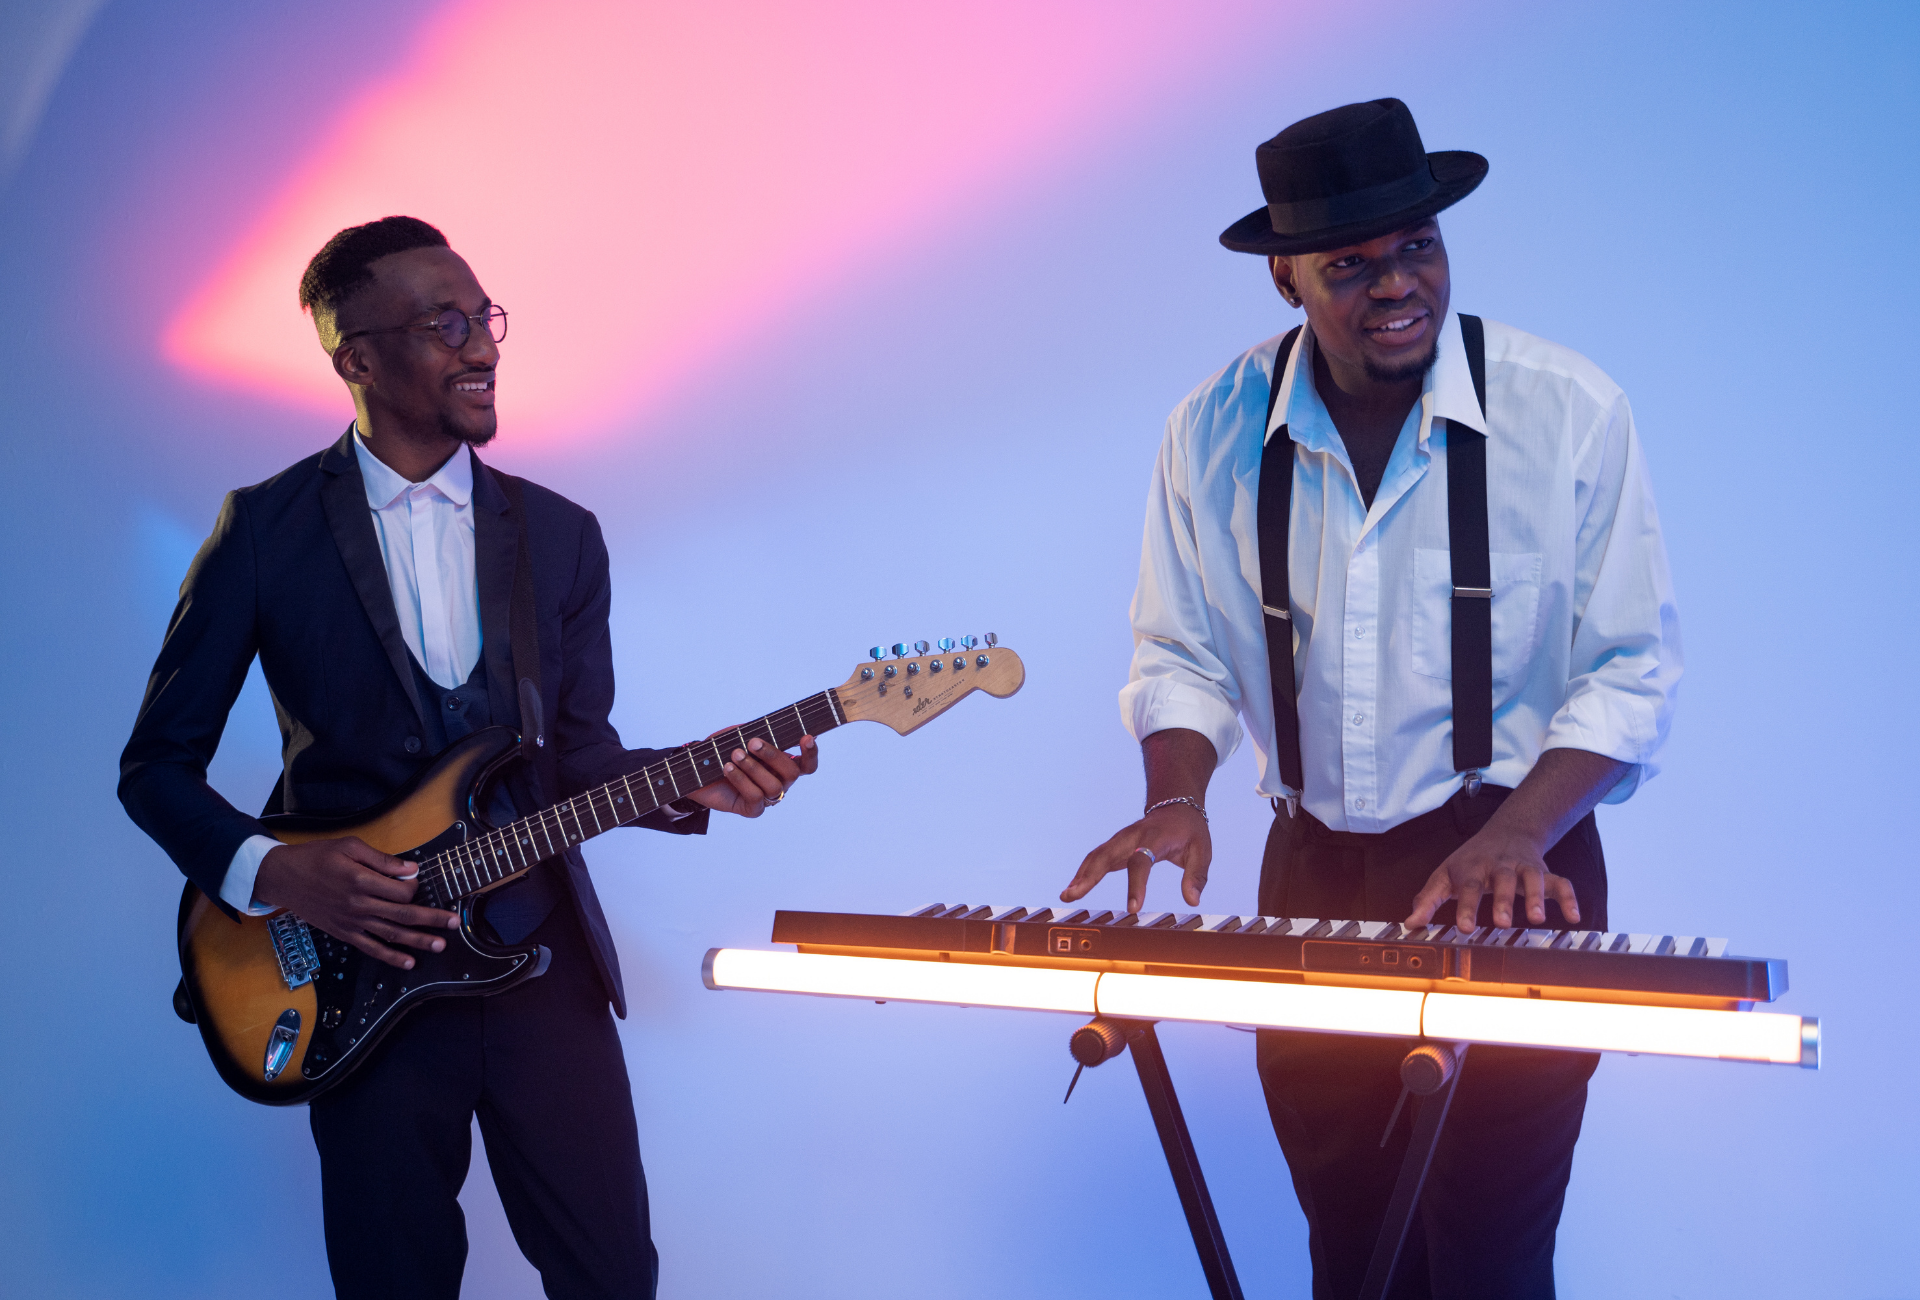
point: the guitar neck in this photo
(485, 860)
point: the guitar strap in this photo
(524, 629)
(1471, 565)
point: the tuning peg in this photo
(920, 647)
(878, 653)
(969, 641)
(946, 644)
(899, 649)
(992, 640)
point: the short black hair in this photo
(345, 265)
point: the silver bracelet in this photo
(1179, 798)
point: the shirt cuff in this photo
(236, 891)
(1150, 704)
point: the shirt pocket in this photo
(1516, 612)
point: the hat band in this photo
(1305, 216)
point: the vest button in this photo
(412, 745)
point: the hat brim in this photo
(1456, 171)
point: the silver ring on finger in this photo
(1151, 857)
(768, 803)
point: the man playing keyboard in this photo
(1451, 633)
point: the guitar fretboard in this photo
(487, 859)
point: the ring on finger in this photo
(1151, 856)
(768, 803)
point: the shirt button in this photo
(1359, 718)
(1359, 803)
(412, 745)
(1359, 632)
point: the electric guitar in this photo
(287, 1011)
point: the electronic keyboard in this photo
(1579, 965)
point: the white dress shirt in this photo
(1586, 648)
(426, 543)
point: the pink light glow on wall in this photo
(641, 184)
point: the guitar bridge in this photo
(293, 945)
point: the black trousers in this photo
(1491, 1205)
(542, 1068)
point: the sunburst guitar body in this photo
(286, 1011)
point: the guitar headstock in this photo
(909, 691)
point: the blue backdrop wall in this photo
(952, 434)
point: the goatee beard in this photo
(1416, 369)
(472, 438)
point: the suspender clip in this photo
(1290, 802)
(1472, 784)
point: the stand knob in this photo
(1428, 1067)
(1098, 1042)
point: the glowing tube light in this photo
(889, 980)
(1611, 1027)
(1268, 1006)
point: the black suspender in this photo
(1276, 596)
(1472, 567)
(1467, 540)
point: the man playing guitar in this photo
(376, 581)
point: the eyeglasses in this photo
(453, 326)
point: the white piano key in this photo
(1210, 922)
(1716, 947)
(1534, 939)
(1302, 924)
(1372, 929)
(1642, 944)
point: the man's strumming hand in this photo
(355, 893)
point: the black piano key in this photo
(1698, 948)
(1253, 925)
(1393, 931)
(1621, 943)
(1164, 921)
(1100, 918)
(1071, 918)
(1011, 914)
(1227, 926)
(955, 912)
(979, 913)
(1131, 918)
(1562, 940)
(1592, 942)
(1320, 931)
(1189, 922)
(1351, 930)
(1665, 947)
(932, 909)
(1044, 914)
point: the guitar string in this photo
(468, 867)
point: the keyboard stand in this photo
(1182, 1161)
(1413, 1167)
(1431, 1072)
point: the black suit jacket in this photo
(293, 573)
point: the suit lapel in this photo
(496, 550)
(343, 495)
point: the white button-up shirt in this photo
(1586, 648)
(426, 544)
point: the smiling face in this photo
(408, 381)
(1376, 308)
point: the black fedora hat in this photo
(1346, 176)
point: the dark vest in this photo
(515, 910)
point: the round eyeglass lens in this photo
(454, 327)
(497, 324)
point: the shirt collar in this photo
(1447, 393)
(453, 480)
